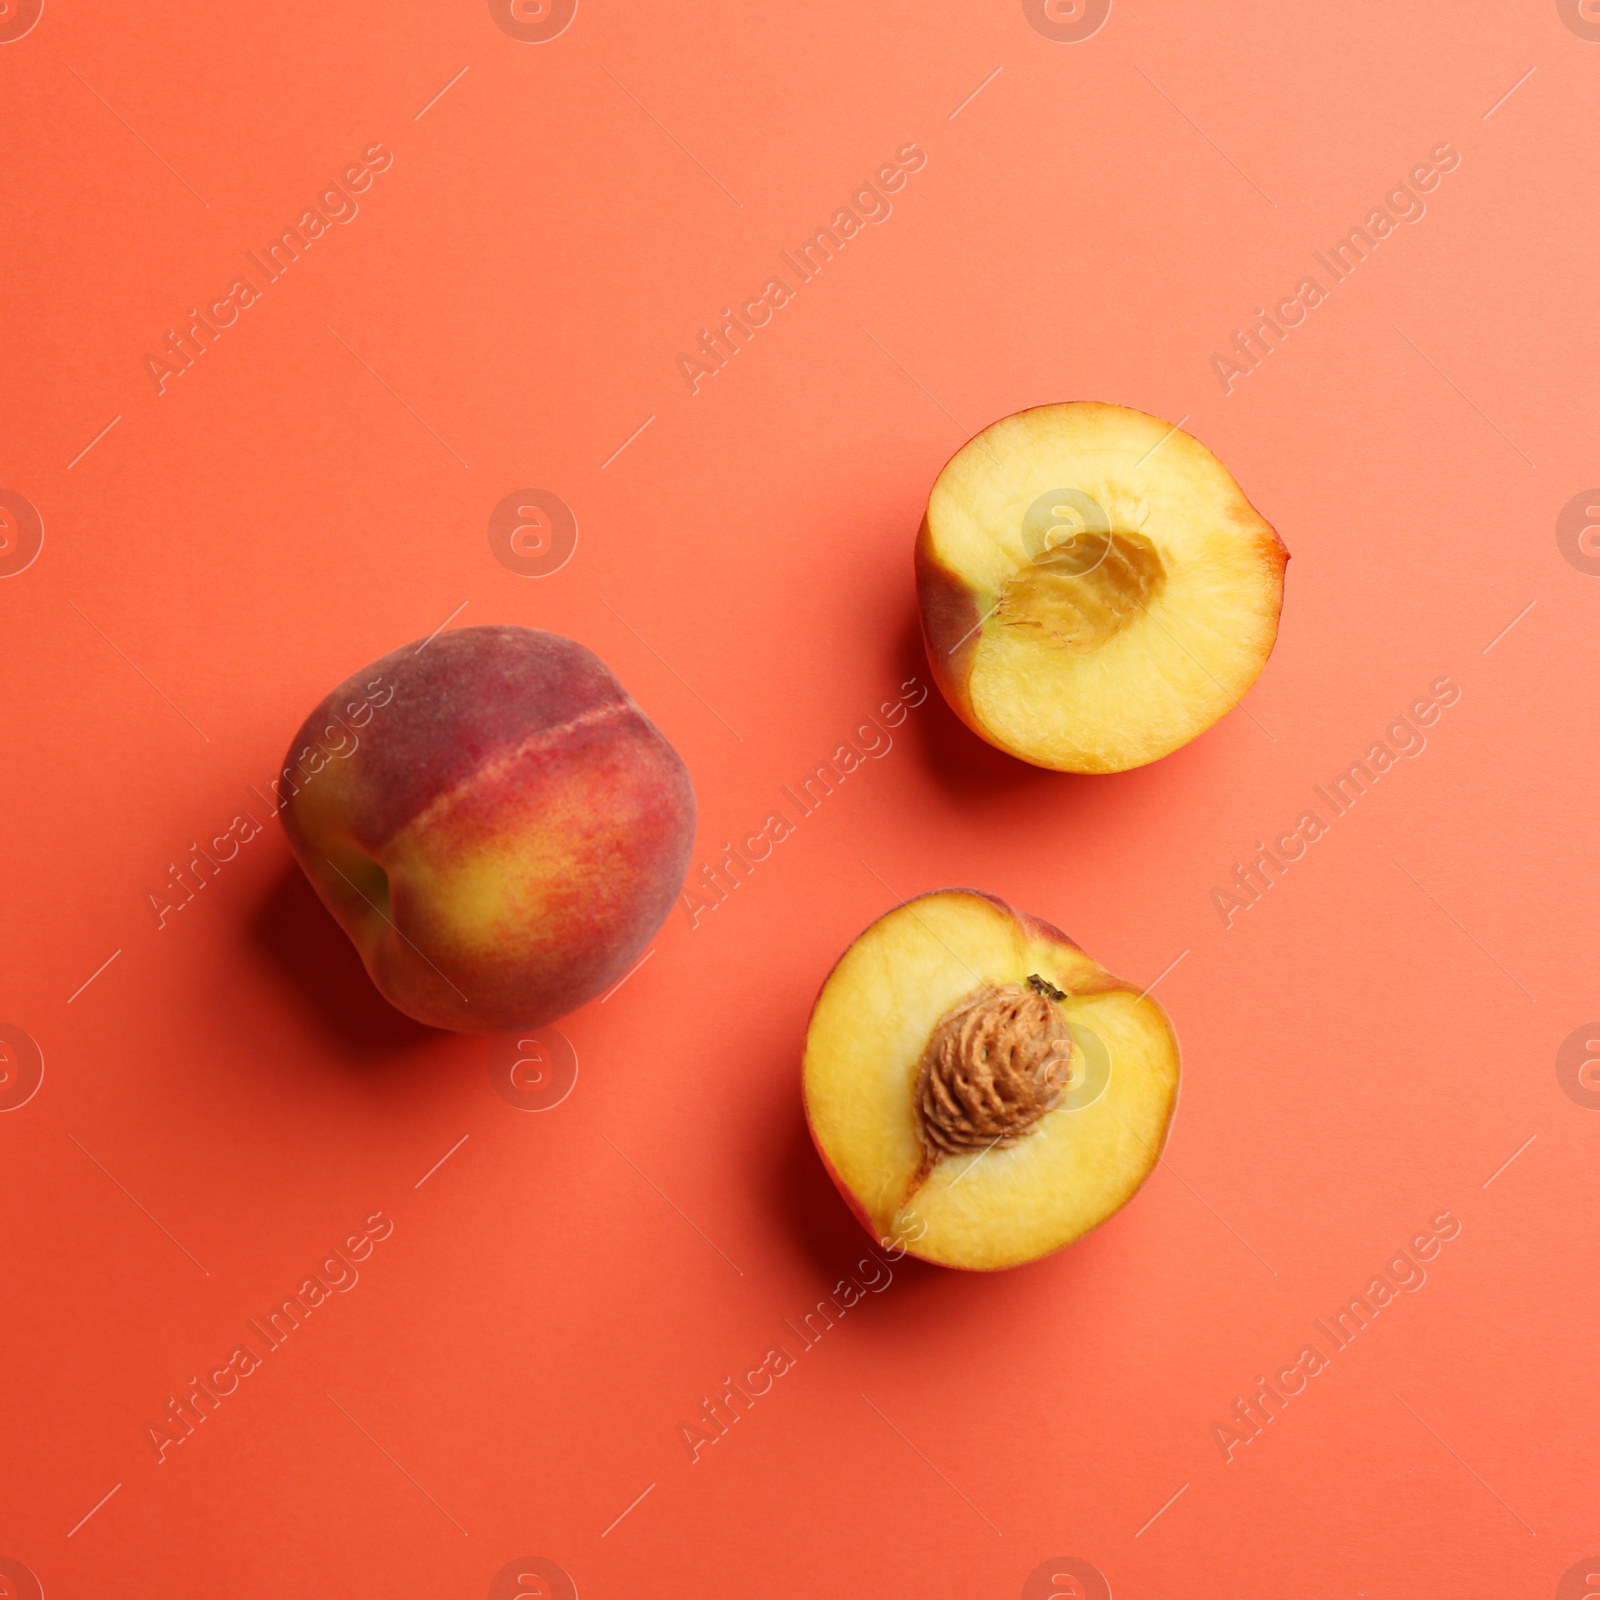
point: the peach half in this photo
(493, 821)
(1095, 588)
(981, 1091)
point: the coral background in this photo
(1367, 1045)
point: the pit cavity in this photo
(1084, 586)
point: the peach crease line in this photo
(441, 1161)
(1159, 1512)
(628, 974)
(630, 1508)
(91, 1511)
(93, 975)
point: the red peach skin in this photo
(493, 821)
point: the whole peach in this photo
(493, 821)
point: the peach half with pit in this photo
(493, 821)
(981, 1091)
(1095, 589)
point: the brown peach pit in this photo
(996, 1062)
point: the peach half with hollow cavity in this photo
(1095, 589)
(981, 1091)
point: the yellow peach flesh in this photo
(1167, 624)
(1082, 1160)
